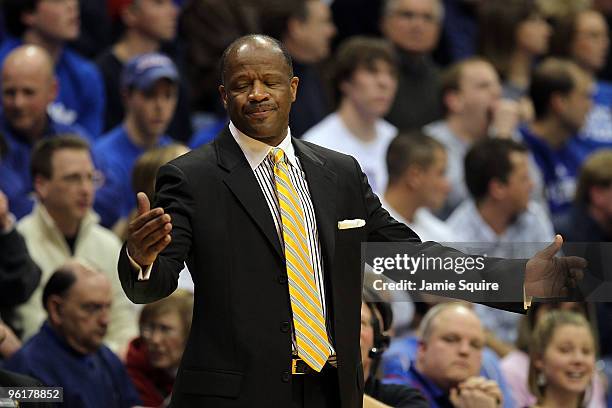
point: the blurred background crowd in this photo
(475, 121)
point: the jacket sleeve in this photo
(509, 273)
(175, 197)
(19, 275)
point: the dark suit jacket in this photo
(238, 353)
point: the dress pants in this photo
(317, 390)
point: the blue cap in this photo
(143, 71)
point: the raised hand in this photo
(549, 276)
(148, 233)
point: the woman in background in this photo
(153, 358)
(562, 366)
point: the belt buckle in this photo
(294, 366)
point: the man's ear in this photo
(295, 81)
(452, 101)
(41, 186)
(27, 19)
(223, 94)
(557, 102)
(413, 176)
(54, 309)
(128, 16)
(497, 190)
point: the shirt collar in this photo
(427, 385)
(256, 151)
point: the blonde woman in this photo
(562, 363)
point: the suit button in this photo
(282, 279)
(285, 327)
(285, 376)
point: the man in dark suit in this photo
(222, 209)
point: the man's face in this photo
(591, 41)
(479, 91)
(533, 35)
(153, 109)
(371, 89)
(84, 313)
(517, 189)
(26, 93)
(413, 25)
(453, 351)
(69, 192)
(314, 35)
(577, 104)
(435, 186)
(258, 92)
(156, 18)
(165, 340)
(58, 20)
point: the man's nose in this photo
(18, 100)
(464, 347)
(258, 92)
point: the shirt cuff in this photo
(526, 300)
(142, 276)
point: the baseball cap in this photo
(143, 71)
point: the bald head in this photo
(78, 301)
(29, 58)
(28, 87)
(442, 313)
(249, 43)
(67, 276)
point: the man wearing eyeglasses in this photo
(68, 352)
(63, 225)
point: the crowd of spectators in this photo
(475, 121)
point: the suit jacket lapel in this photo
(243, 184)
(322, 185)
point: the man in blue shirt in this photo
(150, 86)
(561, 93)
(28, 87)
(50, 24)
(448, 361)
(68, 351)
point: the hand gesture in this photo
(549, 276)
(148, 233)
(506, 118)
(477, 392)
(472, 398)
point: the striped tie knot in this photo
(277, 155)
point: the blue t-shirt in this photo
(15, 175)
(96, 380)
(81, 96)
(115, 155)
(207, 134)
(597, 131)
(558, 167)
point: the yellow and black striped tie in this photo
(308, 321)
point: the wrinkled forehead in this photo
(254, 55)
